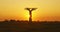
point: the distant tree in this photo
(13, 20)
(6, 20)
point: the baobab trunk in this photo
(30, 14)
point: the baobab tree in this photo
(30, 13)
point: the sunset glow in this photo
(14, 9)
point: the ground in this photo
(25, 26)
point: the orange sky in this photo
(14, 9)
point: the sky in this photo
(47, 10)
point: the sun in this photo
(27, 15)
